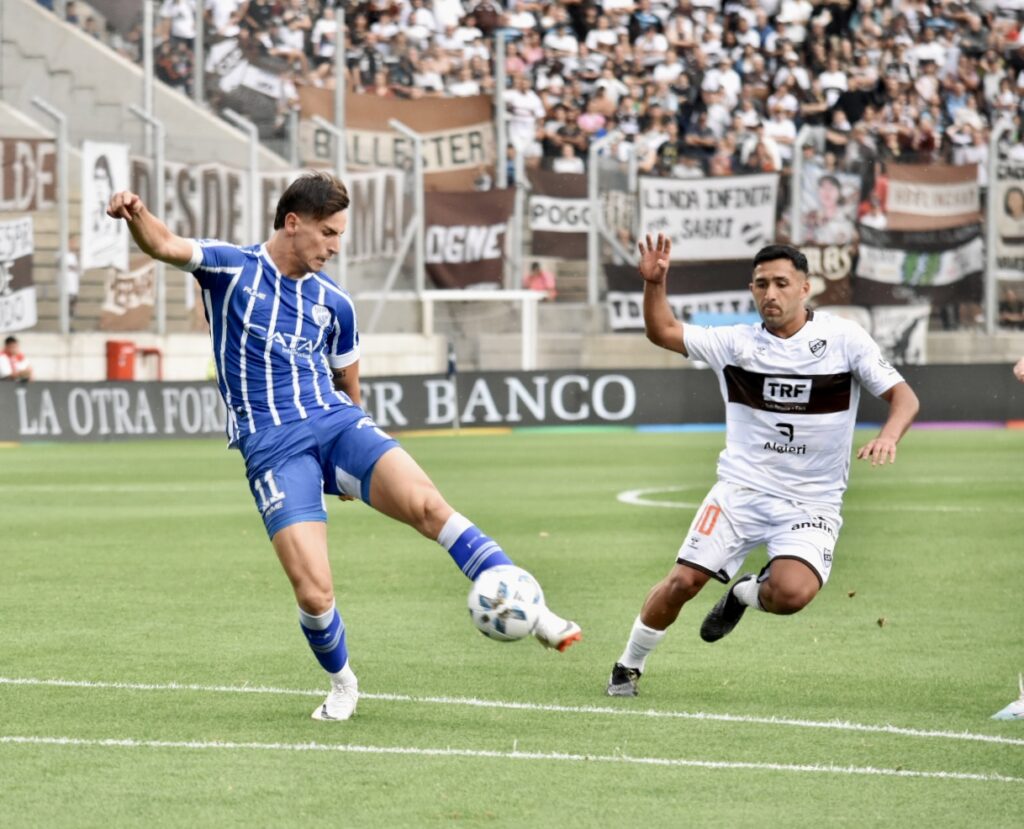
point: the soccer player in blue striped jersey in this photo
(286, 349)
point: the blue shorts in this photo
(290, 467)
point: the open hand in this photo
(878, 451)
(654, 258)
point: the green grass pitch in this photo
(139, 576)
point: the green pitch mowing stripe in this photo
(123, 742)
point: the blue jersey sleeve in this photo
(213, 261)
(343, 341)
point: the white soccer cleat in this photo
(1015, 710)
(340, 703)
(555, 632)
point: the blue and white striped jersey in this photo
(275, 339)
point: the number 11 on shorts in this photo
(271, 495)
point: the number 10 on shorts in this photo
(267, 495)
(708, 519)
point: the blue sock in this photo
(469, 548)
(326, 637)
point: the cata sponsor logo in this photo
(292, 343)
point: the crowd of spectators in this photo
(693, 87)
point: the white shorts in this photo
(733, 520)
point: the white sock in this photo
(642, 640)
(455, 526)
(345, 677)
(321, 622)
(747, 593)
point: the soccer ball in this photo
(505, 603)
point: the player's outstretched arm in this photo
(660, 324)
(152, 236)
(903, 408)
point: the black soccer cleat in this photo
(623, 680)
(725, 615)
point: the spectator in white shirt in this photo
(793, 17)
(791, 68)
(526, 109)
(781, 129)
(179, 19)
(833, 81)
(465, 86)
(614, 88)
(568, 161)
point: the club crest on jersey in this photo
(321, 315)
(818, 347)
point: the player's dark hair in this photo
(770, 253)
(316, 195)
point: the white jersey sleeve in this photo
(868, 365)
(717, 347)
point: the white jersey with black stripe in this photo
(276, 340)
(791, 404)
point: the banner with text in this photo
(104, 241)
(17, 290)
(711, 219)
(912, 267)
(693, 288)
(932, 196)
(465, 236)
(458, 135)
(1009, 220)
(28, 175)
(211, 202)
(830, 268)
(559, 212)
(41, 411)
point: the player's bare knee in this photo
(786, 599)
(682, 584)
(429, 511)
(314, 600)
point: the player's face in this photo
(780, 291)
(317, 241)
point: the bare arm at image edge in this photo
(660, 324)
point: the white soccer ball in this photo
(505, 603)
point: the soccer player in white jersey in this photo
(791, 385)
(286, 348)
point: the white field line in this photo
(470, 702)
(637, 498)
(867, 771)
